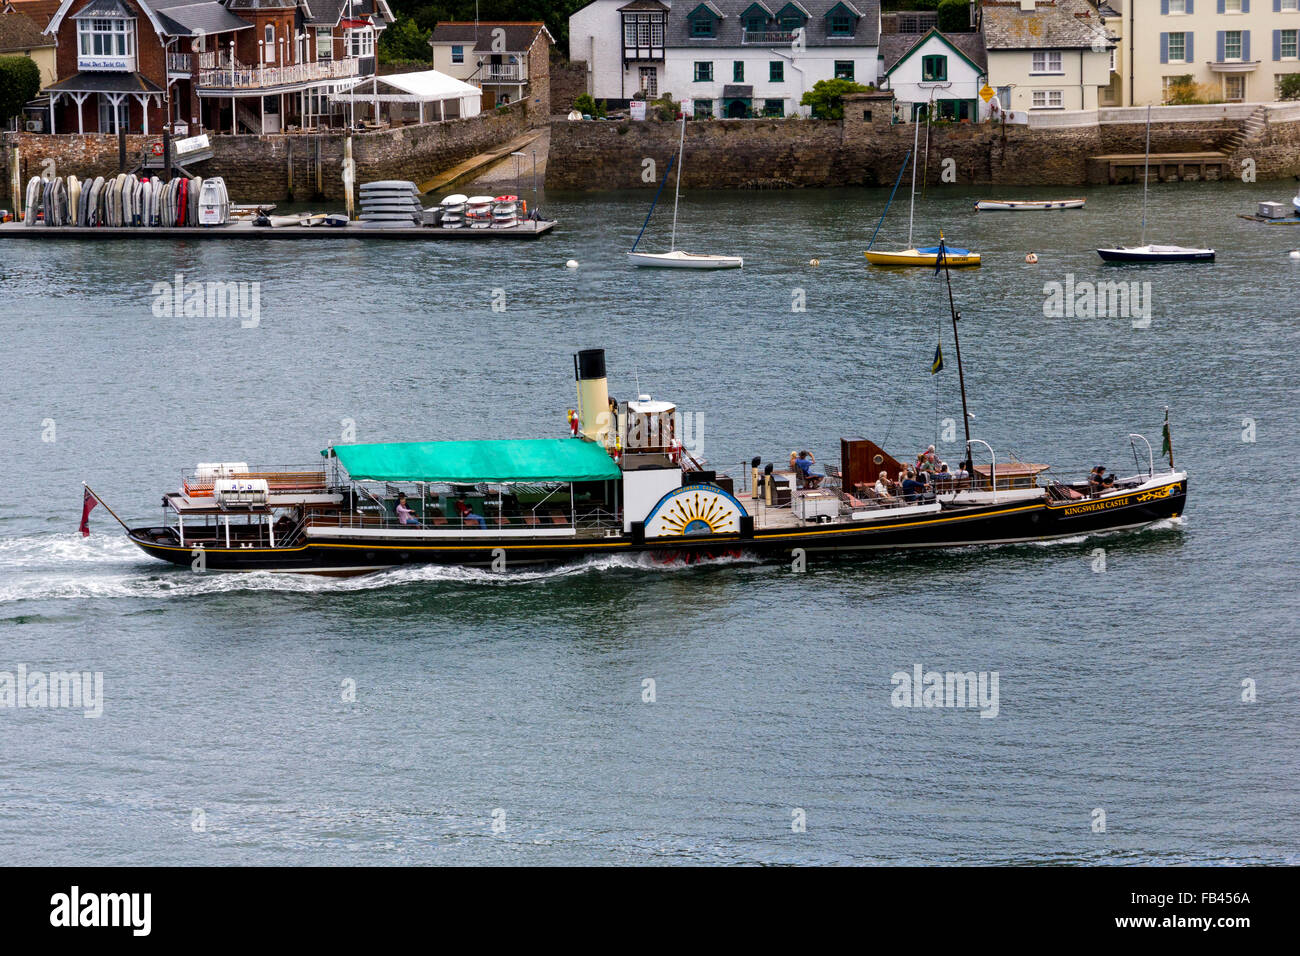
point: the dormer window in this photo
(756, 17)
(841, 20)
(791, 17)
(704, 21)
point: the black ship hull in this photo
(1015, 521)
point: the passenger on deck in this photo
(926, 461)
(803, 464)
(912, 488)
(884, 487)
(467, 515)
(1095, 479)
(943, 478)
(404, 514)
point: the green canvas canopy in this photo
(467, 462)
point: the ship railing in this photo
(280, 479)
(1055, 485)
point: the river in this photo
(625, 713)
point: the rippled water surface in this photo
(523, 695)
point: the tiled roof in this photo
(729, 30)
(519, 34)
(895, 46)
(1053, 25)
(188, 18)
(39, 12)
(19, 33)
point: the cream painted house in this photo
(1046, 54)
(1238, 49)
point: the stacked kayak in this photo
(390, 204)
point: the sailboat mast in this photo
(956, 339)
(1146, 176)
(916, 139)
(681, 145)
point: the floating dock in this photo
(246, 230)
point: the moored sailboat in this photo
(1147, 252)
(911, 256)
(675, 258)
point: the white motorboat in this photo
(675, 258)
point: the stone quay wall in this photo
(277, 167)
(866, 148)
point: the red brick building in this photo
(211, 65)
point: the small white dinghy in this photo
(1027, 205)
(674, 258)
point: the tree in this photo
(1289, 86)
(404, 40)
(827, 97)
(20, 81)
(954, 16)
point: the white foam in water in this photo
(68, 566)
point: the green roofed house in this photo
(944, 69)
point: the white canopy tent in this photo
(455, 98)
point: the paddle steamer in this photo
(622, 483)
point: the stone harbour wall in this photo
(865, 148)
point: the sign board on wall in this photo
(688, 107)
(637, 109)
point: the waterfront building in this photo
(20, 35)
(943, 70)
(1046, 55)
(732, 58)
(259, 66)
(1233, 51)
(507, 60)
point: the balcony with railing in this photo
(500, 73)
(183, 63)
(237, 76)
(766, 37)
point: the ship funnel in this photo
(594, 420)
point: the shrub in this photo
(1289, 86)
(20, 81)
(587, 106)
(666, 108)
(827, 97)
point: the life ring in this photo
(573, 423)
(157, 149)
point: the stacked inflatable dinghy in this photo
(124, 201)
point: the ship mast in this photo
(961, 375)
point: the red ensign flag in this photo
(88, 501)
